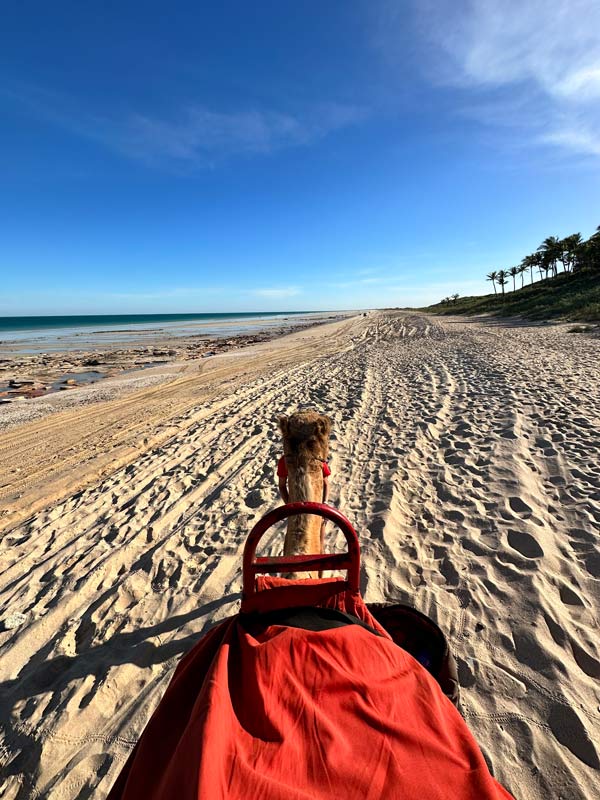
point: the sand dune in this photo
(466, 454)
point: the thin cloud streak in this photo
(199, 137)
(195, 135)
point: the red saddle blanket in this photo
(286, 713)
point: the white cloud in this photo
(535, 64)
(554, 43)
(578, 139)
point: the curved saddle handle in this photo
(349, 561)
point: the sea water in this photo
(84, 332)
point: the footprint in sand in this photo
(524, 544)
(254, 499)
(569, 597)
(585, 662)
(446, 567)
(466, 678)
(568, 729)
(84, 634)
(556, 480)
(592, 564)
(555, 629)
(531, 653)
(519, 506)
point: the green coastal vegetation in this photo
(538, 288)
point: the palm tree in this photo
(529, 262)
(594, 241)
(544, 265)
(455, 297)
(570, 247)
(588, 256)
(513, 272)
(522, 269)
(551, 248)
(537, 261)
(491, 276)
(502, 279)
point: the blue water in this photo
(86, 332)
(118, 320)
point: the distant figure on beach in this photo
(303, 474)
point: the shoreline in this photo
(25, 377)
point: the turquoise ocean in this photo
(41, 333)
(116, 320)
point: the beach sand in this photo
(467, 455)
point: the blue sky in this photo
(284, 155)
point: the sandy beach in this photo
(467, 455)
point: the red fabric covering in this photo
(282, 470)
(296, 715)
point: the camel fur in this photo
(305, 447)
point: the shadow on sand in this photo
(54, 675)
